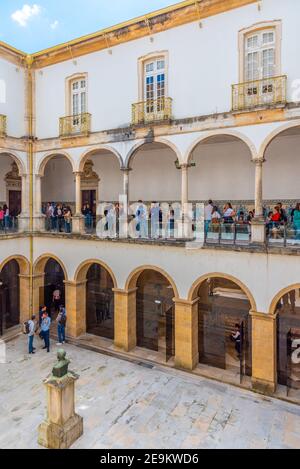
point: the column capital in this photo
(125, 170)
(181, 301)
(258, 161)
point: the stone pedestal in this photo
(62, 426)
(78, 224)
(39, 222)
(258, 231)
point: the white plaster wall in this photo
(203, 64)
(261, 273)
(58, 183)
(14, 247)
(223, 171)
(12, 97)
(107, 167)
(154, 176)
(281, 169)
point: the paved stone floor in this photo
(125, 405)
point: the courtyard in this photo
(129, 405)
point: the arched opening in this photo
(54, 282)
(163, 181)
(101, 182)
(58, 192)
(288, 341)
(49, 285)
(9, 296)
(224, 326)
(280, 185)
(155, 314)
(10, 193)
(99, 302)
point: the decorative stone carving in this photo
(89, 174)
(13, 179)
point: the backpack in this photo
(26, 328)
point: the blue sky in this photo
(38, 24)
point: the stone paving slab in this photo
(125, 405)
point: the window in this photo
(154, 85)
(78, 95)
(260, 55)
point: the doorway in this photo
(15, 203)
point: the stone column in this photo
(264, 352)
(126, 172)
(258, 230)
(124, 200)
(78, 219)
(38, 291)
(24, 216)
(184, 185)
(125, 318)
(25, 313)
(75, 294)
(186, 334)
(38, 217)
(62, 426)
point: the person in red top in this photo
(276, 217)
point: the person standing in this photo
(141, 217)
(45, 328)
(296, 220)
(56, 298)
(61, 325)
(1, 218)
(6, 216)
(208, 210)
(32, 329)
(154, 213)
(68, 220)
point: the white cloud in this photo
(25, 14)
(54, 25)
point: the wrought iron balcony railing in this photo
(2, 125)
(150, 111)
(79, 124)
(256, 93)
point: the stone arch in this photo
(82, 269)
(89, 153)
(194, 288)
(275, 133)
(16, 159)
(23, 262)
(279, 295)
(131, 281)
(214, 133)
(40, 263)
(43, 163)
(132, 153)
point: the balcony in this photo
(259, 93)
(2, 125)
(152, 111)
(79, 124)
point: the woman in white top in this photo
(229, 213)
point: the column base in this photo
(264, 387)
(23, 223)
(258, 231)
(78, 224)
(39, 223)
(53, 436)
